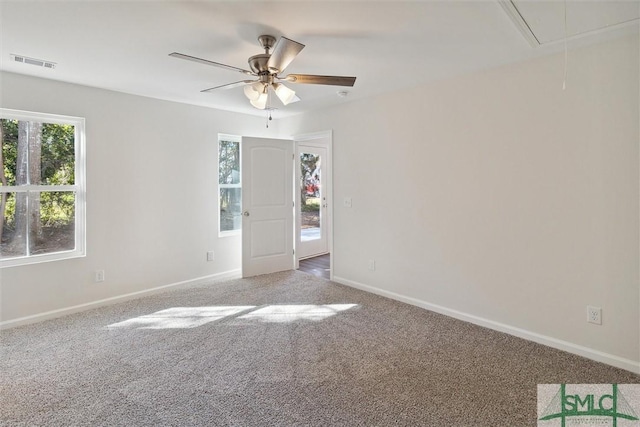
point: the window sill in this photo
(38, 259)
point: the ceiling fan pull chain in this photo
(564, 80)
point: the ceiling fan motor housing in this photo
(258, 63)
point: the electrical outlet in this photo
(594, 315)
(99, 276)
(372, 264)
(346, 202)
(210, 256)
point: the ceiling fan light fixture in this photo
(254, 90)
(285, 94)
(261, 102)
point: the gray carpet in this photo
(286, 349)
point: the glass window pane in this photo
(229, 162)
(57, 155)
(37, 153)
(9, 150)
(51, 222)
(230, 209)
(14, 227)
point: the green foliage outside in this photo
(229, 184)
(229, 162)
(311, 205)
(308, 163)
(57, 167)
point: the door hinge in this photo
(294, 251)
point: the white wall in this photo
(151, 196)
(499, 196)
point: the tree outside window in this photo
(229, 184)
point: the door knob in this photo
(245, 213)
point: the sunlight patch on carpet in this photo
(180, 317)
(192, 317)
(292, 313)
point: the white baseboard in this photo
(598, 356)
(227, 275)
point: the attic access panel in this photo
(542, 22)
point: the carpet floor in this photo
(285, 349)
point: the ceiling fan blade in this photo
(320, 80)
(207, 62)
(230, 85)
(283, 53)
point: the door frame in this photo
(324, 140)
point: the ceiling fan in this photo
(267, 67)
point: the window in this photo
(42, 196)
(229, 184)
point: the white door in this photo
(267, 205)
(312, 232)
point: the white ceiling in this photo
(124, 45)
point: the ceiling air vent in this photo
(33, 61)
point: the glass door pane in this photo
(310, 197)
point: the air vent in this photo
(33, 61)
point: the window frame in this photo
(79, 186)
(237, 139)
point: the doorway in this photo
(269, 232)
(313, 201)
